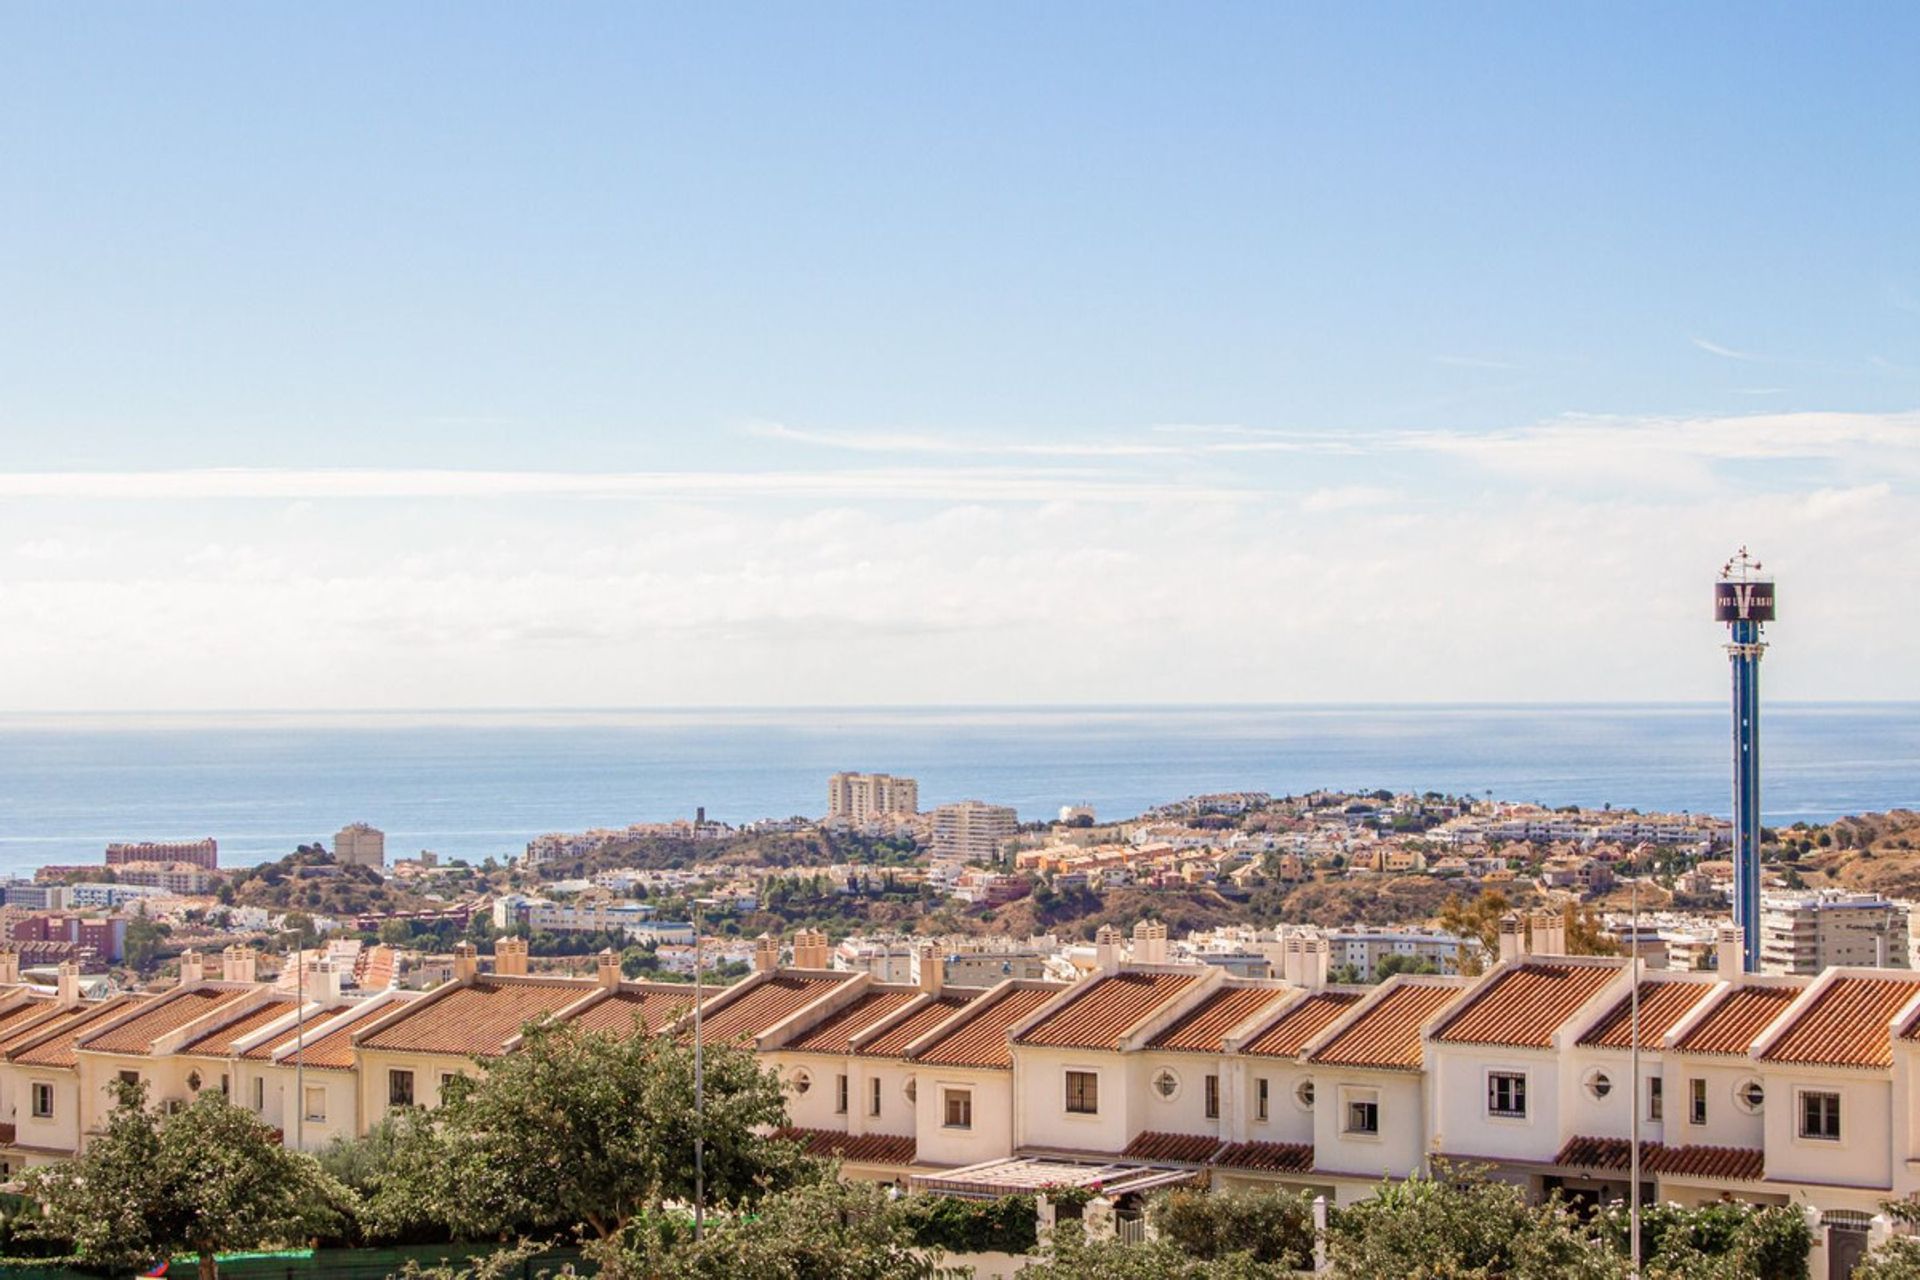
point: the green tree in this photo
(206, 1179)
(396, 932)
(1456, 1223)
(827, 1230)
(141, 946)
(608, 1121)
(1071, 1256)
(1897, 1259)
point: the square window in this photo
(43, 1102)
(957, 1108)
(316, 1111)
(1083, 1093)
(1362, 1112)
(1507, 1094)
(1820, 1115)
(399, 1088)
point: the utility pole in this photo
(1633, 1094)
(699, 1088)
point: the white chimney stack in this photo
(766, 954)
(1549, 932)
(323, 983)
(1293, 967)
(1106, 949)
(238, 964)
(69, 984)
(1513, 938)
(933, 968)
(1313, 963)
(1150, 942)
(607, 971)
(191, 971)
(9, 965)
(1730, 950)
(466, 962)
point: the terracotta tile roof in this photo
(869, 1148)
(1271, 1157)
(166, 1013)
(1177, 1148)
(1524, 1006)
(1845, 1025)
(332, 1049)
(1097, 1017)
(57, 1050)
(1203, 1028)
(1730, 1026)
(1662, 1005)
(476, 1019)
(980, 1038)
(1305, 1020)
(21, 1012)
(751, 1013)
(1386, 1033)
(835, 1033)
(218, 1043)
(616, 1015)
(893, 1042)
(1739, 1164)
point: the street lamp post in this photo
(1633, 1093)
(699, 1086)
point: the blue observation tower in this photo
(1744, 601)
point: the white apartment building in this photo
(972, 830)
(1806, 933)
(859, 797)
(359, 845)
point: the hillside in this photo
(310, 880)
(1869, 853)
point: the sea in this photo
(471, 784)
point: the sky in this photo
(478, 355)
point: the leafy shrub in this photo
(1270, 1226)
(1006, 1225)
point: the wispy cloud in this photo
(957, 484)
(1759, 391)
(1724, 352)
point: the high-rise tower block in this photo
(1744, 601)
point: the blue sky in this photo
(821, 352)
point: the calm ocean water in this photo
(472, 784)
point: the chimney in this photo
(1730, 950)
(510, 958)
(323, 983)
(9, 965)
(1106, 949)
(191, 971)
(238, 964)
(466, 962)
(1294, 968)
(1150, 942)
(607, 971)
(1313, 963)
(766, 954)
(1549, 932)
(810, 950)
(69, 984)
(1513, 938)
(933, 968)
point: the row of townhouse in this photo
(1771, 1089)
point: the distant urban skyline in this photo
(951, 356)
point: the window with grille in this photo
(1083, 1093)
(1507, 1094)
(1820, 1115)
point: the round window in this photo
(1166, 1083)
(1750, 1096)
(1599, 1084)
(801, 1082)
(1303, 1094)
